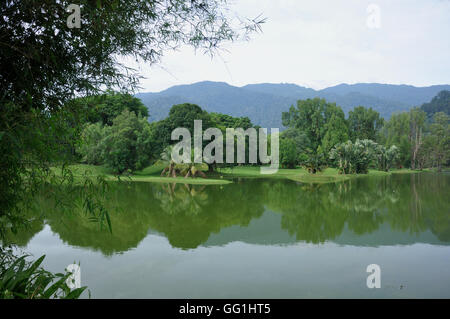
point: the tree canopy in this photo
(313, 117)
(107, 106)
(364, 123)
(440, 103)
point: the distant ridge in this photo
(263, 103)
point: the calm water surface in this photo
(258, 239)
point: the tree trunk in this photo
(172, 171)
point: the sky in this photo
(321, 43)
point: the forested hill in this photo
(264, 103)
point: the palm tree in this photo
(192, 171)
(166, 156)
(186, 170)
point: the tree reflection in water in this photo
(187, 215)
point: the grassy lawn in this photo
(405, 171)
(181, 180)
(329, 175)
(152, 173)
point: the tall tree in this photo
(386, 157)
(396, 132)
(440, 131)
(288, 154)
(180, 116)
(127, 144)
(336, 132)
(315, 117)
(364, 123)
(302, 144)
(91, 142)
(309, 118)
(416, 124)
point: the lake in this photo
(257, 238)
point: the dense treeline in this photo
(364, 139)
(440, 103)
(118, 135)
(122, 139)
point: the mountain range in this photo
(263, 103)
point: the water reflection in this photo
(190, 216)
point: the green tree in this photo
(416, 133)
(288, 153)
(387, 157)
(224, 121)
(440, 131)
(301, 141)
(315, 161)
(323, 123)
(184, 115)
(309, 118)
(396, 132)
(336, 132)
(105, 107)
(440, 103)
(343, 155)
(364, 123)
(180, 116)
(90, 145)
(127, 144)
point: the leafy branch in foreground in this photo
(48, 62)
(84, 193)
